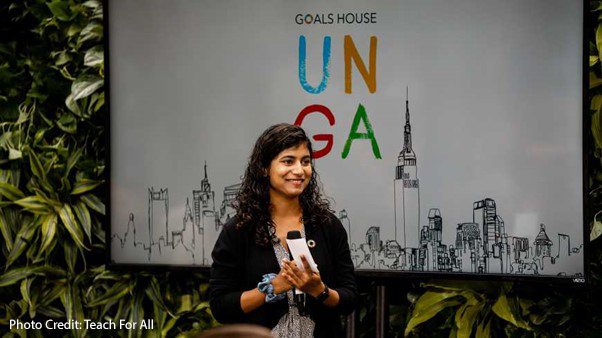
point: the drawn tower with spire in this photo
(204, 213)
(407, 191)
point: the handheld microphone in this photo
(298, 295)
(294, 234)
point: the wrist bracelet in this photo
(323, 295)
(265, 286)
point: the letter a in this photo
(325, 65)
(361, 115)
(352, 53)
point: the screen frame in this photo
(381, 276)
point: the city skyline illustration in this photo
(481, 245)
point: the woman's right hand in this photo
(280, 283)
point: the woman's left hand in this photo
(307, 281)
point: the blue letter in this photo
(325, 64)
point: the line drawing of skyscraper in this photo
(564, 245)
(158, 216)
(543, 244)
(495, 240)
(346, 224)
(434, 236)
(185, 236)
(407, 191)
(226, 210)
(204, 210)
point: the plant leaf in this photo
(153, 291)
(84, 218)
(22, 240)
(94, 56)
(72, 160)
(72, 105)
(62, 58)
(428, 305)
(48, 230)
(594, 81)
(70, 223)
(84, 185)
(91, 4)
(78, 311)
(596, 231)
(136, 311)
(6, 231)
(483, 331)
(36, 166)
(60, 10)
(85, 85)
(596, 124)
(13, 276)
(598, 39)
(10, 191)
(67, 300)
(185, 304)
(466, 317)
(34, 204)
(94, 203)
(51, 311)
(170, 323)
(70, 255)
(14, 154)
(67, 123)
(98, 103)
(51, 293)
(116, 292)
(507, 309)
(93, 31)
(25, 284)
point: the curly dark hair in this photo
(252, 204)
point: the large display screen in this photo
(448, 134)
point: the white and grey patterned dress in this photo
(292, 324)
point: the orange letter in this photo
(351, 52)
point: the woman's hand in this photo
(280, 283)
(307, 281)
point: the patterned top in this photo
(292, 324)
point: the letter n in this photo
(352, 53)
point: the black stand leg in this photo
(351, 322)
(382, 313)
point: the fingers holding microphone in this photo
(281, 283)
(305, 280)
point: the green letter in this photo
(361, 115)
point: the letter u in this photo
(325, 65)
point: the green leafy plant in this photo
(52, 197)
(489, 309)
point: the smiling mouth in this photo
(296, 180)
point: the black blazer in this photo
(239, 264)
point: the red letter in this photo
(317, 108)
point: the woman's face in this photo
(290, 172)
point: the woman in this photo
(252, 280)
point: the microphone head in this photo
(294, 234)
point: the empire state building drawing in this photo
(407, 191)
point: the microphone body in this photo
(298, 295)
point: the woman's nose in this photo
(297, 168)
